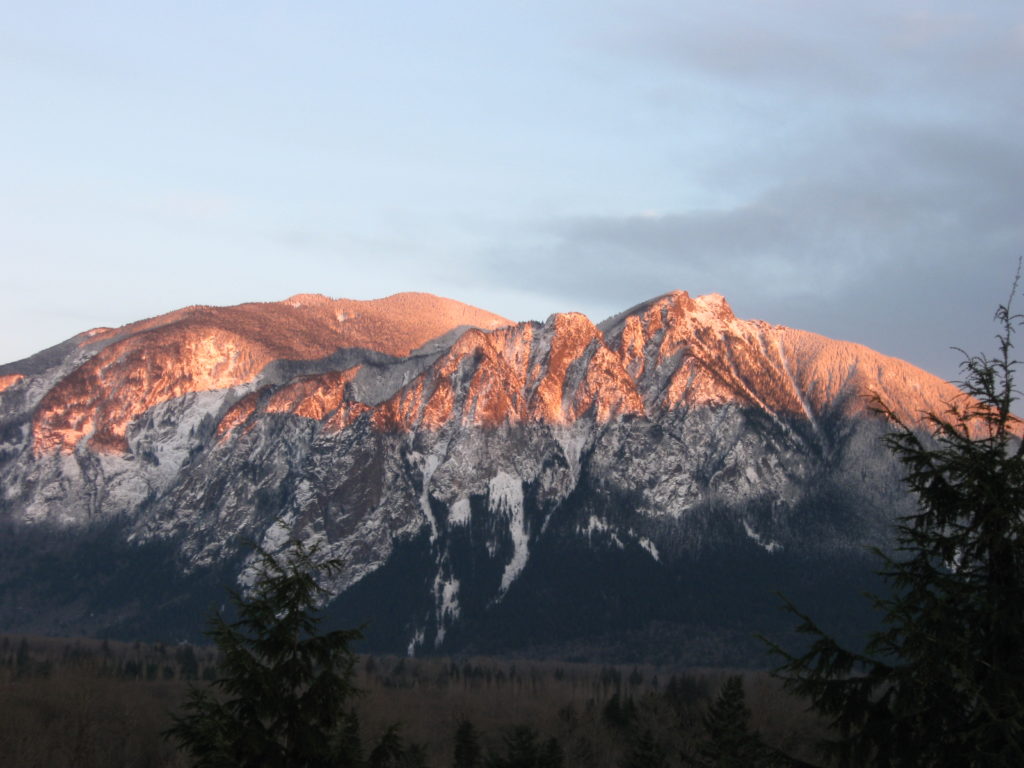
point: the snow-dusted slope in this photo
(419, 425)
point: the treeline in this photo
(104, 703)
(89, 702)
(40, 658)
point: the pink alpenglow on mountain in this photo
(501, 476)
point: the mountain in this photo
(633, 489)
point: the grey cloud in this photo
(893, 241)
(849, 49)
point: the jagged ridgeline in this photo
(636, 489)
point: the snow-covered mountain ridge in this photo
(452, 454)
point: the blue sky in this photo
(851, 169)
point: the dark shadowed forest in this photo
(90, 703)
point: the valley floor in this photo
(88, 703)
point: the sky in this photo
(853, 169)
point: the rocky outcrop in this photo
(419, 425)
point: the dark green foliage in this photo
(943, 682)
(88, 714)
(284, 694)
(23, 662)
(729, 742)
(188, 663)
(93, 583)
(646, 752)
(524, 750)
(389, 751)
(683, 691)
(392, 752)
(620, 712)
(636, 678)
(468, 753)
(551, 754)
(415, 756)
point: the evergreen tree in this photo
(283, 697)
(942, 683)
(646, 752)
(389, 752)
(729, 742)
(415, 756)
(187, 662)
(522, 750)
(468, 753)
(393, 752)
(22, 660)
(619, 713)
(551, 754)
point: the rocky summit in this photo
(635, 489)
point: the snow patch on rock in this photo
(279, 533)
(648, 545)
(415, 642)
(446, 594)
(768, 546)
(572, 443)
(459, 513)
(597, 525)
(168, 431)
(505, 496)
(430, 465)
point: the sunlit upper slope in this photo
(670, 353)
(204, 348)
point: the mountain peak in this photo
(428, 309)
(202, 348)
(308, 300)
(711, 305)
(714, 301)
(467, 467)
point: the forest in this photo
(92, 703)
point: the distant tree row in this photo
(407, 673)
(24, 660)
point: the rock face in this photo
(634, 488)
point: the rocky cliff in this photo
(561, 487)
